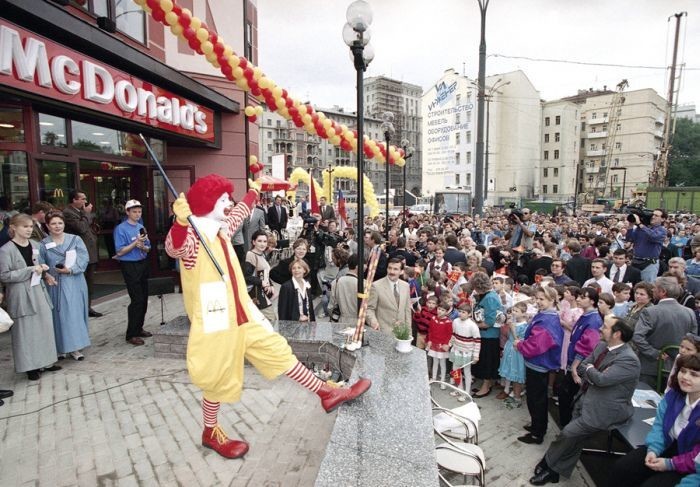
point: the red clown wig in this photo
(205, 191)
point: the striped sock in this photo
(305, 377)
(210, 410)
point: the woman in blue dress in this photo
(67, 258)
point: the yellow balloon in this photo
(228, 53)
(140, 3)
(195, 24)
(176, 29)
(171, 18)
(327, 124)
(207, 48)
(249, 111)
(242, 84)
(302, 109)
(166, 5)
(202, 34)
(257, 73)
(259, 110)
(284, 112)
(277, 93)
(234, 61)
(335, 140)
(237, 73)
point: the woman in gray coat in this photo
(33, 343)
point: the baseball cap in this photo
(132, 204)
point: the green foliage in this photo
(402, 331)
(684, 163)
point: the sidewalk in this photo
(122, 417)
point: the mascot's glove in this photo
(182, 211)
(254, 185)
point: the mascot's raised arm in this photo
(223, 328)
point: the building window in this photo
(556, 173)
(546, 155)
(56, 180)
(555, 189)
(616, 162)
(618, 145)
(457, 141)
(590, 178)
(556, 154)
(614, 178)
(546, 121)
(546, 138)
(619, 126)
(469, 179)
(592, 146)
(557, 120)
(269, 134)
(594, 115)
(605, 114)
(52, 131)
(545, 172)
(14, 180)
(469, 157)
(269, 147)
(12, 125)
(468, 117)
(544, 189)
(457, 179)
(458, 97)
(457, 158)
(468, 137)
(556, 137)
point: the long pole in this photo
(486, 155)
(624, 182)
(170, 186)
(479, 169)
(404, 186)
(386, 195)
(357, 48)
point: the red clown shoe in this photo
(333, 397)
(216, 439)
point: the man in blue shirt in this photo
(647, 241)
(132, 246)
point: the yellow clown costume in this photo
(223, 331)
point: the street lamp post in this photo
(330, 183)
(356, 35)
(407, 154)
(479, 169)
(624, 182)
(388, 130)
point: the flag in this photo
(315, 210)
(342, 212)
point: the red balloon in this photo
(158, 15)
(213, 37)
(249, 74)
(227, 70)
(189, 33)
(177, 9)
(309, 109)
(185, 18)
(297, 121)
(314, 118)
(345, 145)
(338, 130)
(193, 43)
(253, 118)
(153, 4)
(289, 102)
(255, 91)
(218, 48)
(242, 62)
(284, 93)
(270, 102)
(293, 111)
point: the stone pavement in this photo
(122, 417)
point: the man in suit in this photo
(452, 253)
(80, 220)
(661, 325)
(620, 271)
(256, 221)
(277, 216)
(389, 300)
(608, 376)
(577, 268)
(327, 211)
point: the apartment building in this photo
(560, 140)
(403, 99)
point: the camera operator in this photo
(326, 240)
(647, 238)
(522, 231)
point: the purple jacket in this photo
(541, 346)
(584, 337)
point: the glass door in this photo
(182, 178)
(108, 187)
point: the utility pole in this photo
(659, 176)
(479, 168)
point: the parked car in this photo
(419, 209)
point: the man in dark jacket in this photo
(577, 268)
(277, 216)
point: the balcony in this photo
(596, 153)
(597, 135)
(592, 170)
(659, 134)
(597, 120)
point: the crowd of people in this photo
(550, 309)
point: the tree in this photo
(684, 160)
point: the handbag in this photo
(5, 321)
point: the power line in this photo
(584, 63)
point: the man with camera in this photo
(522, 231)
(647, 233)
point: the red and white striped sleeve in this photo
(240, 212)
(181, 243)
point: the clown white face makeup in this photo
(222, 207)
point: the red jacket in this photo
(439, 333)
(423, 318)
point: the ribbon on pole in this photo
(189, 218)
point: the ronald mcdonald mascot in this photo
(223, 330)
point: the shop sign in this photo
(33, 63)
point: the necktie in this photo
(396, 293)
(596, 364)
(617, 275)
(279, 213)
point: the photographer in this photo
(522, 231)
(647, 236)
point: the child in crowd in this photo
(452, 313)
(606, 301)
(422, 319)
(499, 286)
(621, 291)
(457, 277)
(438, 339)
(413, 286)
(466, 345)
(690, 344)
(512, 363)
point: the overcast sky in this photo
(301, 46)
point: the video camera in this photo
(514, 215)
(644, 215)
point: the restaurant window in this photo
(56, 181)
(52, 131)
(11, 125)
(14, 183)
(88, 137)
